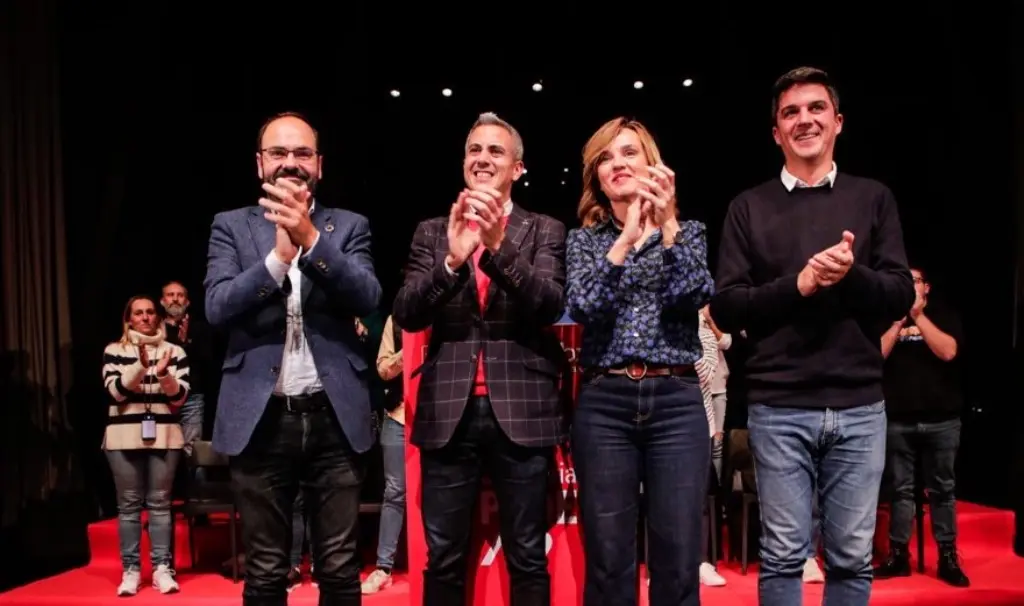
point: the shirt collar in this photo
(508, 207)
(790, 181)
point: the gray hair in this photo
(492, 119)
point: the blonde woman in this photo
(637, 277)
(146, 377)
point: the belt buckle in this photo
(643, 373)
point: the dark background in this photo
(160, 112)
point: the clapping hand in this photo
(462, 239)
(831, 264)
(161, 364)
(291, 213)
(660, 191)
(827, 267)
(485, 209)
(636, 222)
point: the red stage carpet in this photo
(996, 574)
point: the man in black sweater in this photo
(812, 267)
(924, 398)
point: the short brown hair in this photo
(594, 204)
(802, 75)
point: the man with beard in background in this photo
(284, 279)
(193, 335)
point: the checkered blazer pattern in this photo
(523, 359)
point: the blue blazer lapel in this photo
(519, 222)
(263, 232)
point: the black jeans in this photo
(653, 431)
(936, 444)
(288, 452)
(450, 488)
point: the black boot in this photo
(949, 566)
(896, 565)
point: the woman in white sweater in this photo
(147, 379)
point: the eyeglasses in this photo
(302, 154)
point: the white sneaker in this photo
(163, 579)
(129, 582)
(709, 576)
(377, 581)
(812, 572)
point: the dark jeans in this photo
(144, 476)
(835, 457)
(936, 444)
(300, 529)
(450, 488)
(289, 452)
(626, 432)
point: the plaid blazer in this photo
(523, 359)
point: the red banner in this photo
(488, 581)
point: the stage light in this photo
(525, 171)
(537, 87)
(447, 92)
(688, 82)
(638, 84)
(563, 182)
(526, 184)
(565, 170)
(395, 93)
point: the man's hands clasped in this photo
(291, 216)
(475, 219)
(827, 267)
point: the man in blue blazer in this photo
(285, 281)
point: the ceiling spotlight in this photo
(395, 93)
(525, 171)
(447, 92)
(526, 184)
(688, 82)
(563, 182)
(638, 84)
(537, 87)
(565, 170)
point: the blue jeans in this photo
(192, 419)
(144, 475)
(392, 512)
(626, 432)
(842, 453)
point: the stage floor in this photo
(986, 534)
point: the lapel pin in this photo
(329, 228)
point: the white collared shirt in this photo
(298, 374)
(508, 211)
(791, 181)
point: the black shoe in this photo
(949, 566)
(896, 565)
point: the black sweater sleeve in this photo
(738, 304)
(884, 288)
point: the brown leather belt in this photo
(642, 370)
